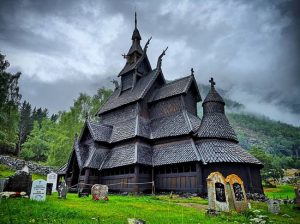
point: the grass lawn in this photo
(280, 192)
(152, 209)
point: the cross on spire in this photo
(135, 20)
(212, 83)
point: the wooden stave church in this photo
(149, 131)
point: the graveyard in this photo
(159, 208)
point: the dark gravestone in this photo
(220, 192)
(49, 188)
(19, 182)
(62, 190)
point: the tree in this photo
(25, 124)
(9, 102)
(272, 169)
(39, 142)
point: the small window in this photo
(193, 168)
(180, 169)
(186, 168)
(131, 170)
(168, 169)
(174, 169)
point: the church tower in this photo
(137, 63)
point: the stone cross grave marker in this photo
(237, 197)
(217, 192)
(38, 190)
(99, 192)
(273, 206)
(52, 178)
(62, 190)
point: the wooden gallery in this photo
(149, 131)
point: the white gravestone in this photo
(38, 190)
(52, 179)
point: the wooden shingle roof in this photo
(215, 151)
(130, 96)
(174, 88)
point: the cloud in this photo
(251, 48)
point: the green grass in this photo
(152, 209)
(5, 172)
(280, 192)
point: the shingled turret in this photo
(214, 123)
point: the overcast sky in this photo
(251, 48)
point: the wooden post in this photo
(199, 178)
(136, 178)
(153, 184)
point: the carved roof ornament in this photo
(159, 60)
(146, 45)
(192, 71)
(212, 82)
(115, 82)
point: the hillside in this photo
(252, 130)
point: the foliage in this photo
(51, 139)
(271, 168)
(9, 102)
(119, 208)
(280, 192)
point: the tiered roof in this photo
(186, 137)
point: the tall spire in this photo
(135, 20)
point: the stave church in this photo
(150, 136)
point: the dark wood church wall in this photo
(165, 107)
(120, 115)
(177, 177)
(118, 178)
(250, 177)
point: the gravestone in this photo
(38, 190)
(237, 199)
(52, 178)
(136, 221)
(62, 190)
(297, 199)
(19, 182)
(217, 192)
(49, 188)
(99, 192)
(274, 206)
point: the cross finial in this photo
(212, 83)
(135, 20)
(192, 71)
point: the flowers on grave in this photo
(7, 194)
(96, 197)
(105, 198)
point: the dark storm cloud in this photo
(250, 47)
